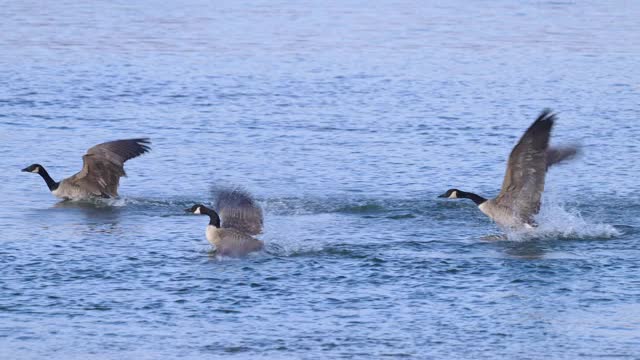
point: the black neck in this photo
(50, 183)
(214, 219)
(475, 198)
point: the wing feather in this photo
(526, 169)
(119, 151)
(103, 165)
(238, 210)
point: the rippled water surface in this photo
(346, 119)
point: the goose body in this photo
(232, 242)
(103, 165)
(519, 198)
(231, 228)
(503, 215)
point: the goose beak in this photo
(443, 195)
(187, 210)
(25, 170)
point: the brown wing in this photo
(103, 165)
(238, 210)
(119, 151)
(526, 169)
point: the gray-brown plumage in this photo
(230, 229)
(103, 165)
(519, 198)
(238, 210)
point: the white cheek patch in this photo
(197, 211)
(35, 170)
(454, 195)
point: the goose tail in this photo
(556, 155)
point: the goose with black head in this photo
(103, 165)
(519, 198)
(231, 228)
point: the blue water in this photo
(345, 119)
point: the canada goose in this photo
(241, 218)
(519, 198)
(102, 167)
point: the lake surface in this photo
(345, 119)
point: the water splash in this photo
(115, 202)
(556, 221)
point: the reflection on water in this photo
(98, 211)
(99, 216)
(530, 249)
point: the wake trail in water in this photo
(555, 220)
(397, 208)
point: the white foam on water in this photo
(116, 202)
(555, 220)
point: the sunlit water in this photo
(346, 119)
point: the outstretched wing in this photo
(238, 210)
(103, 165)
(119, 151)
(526, 169)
